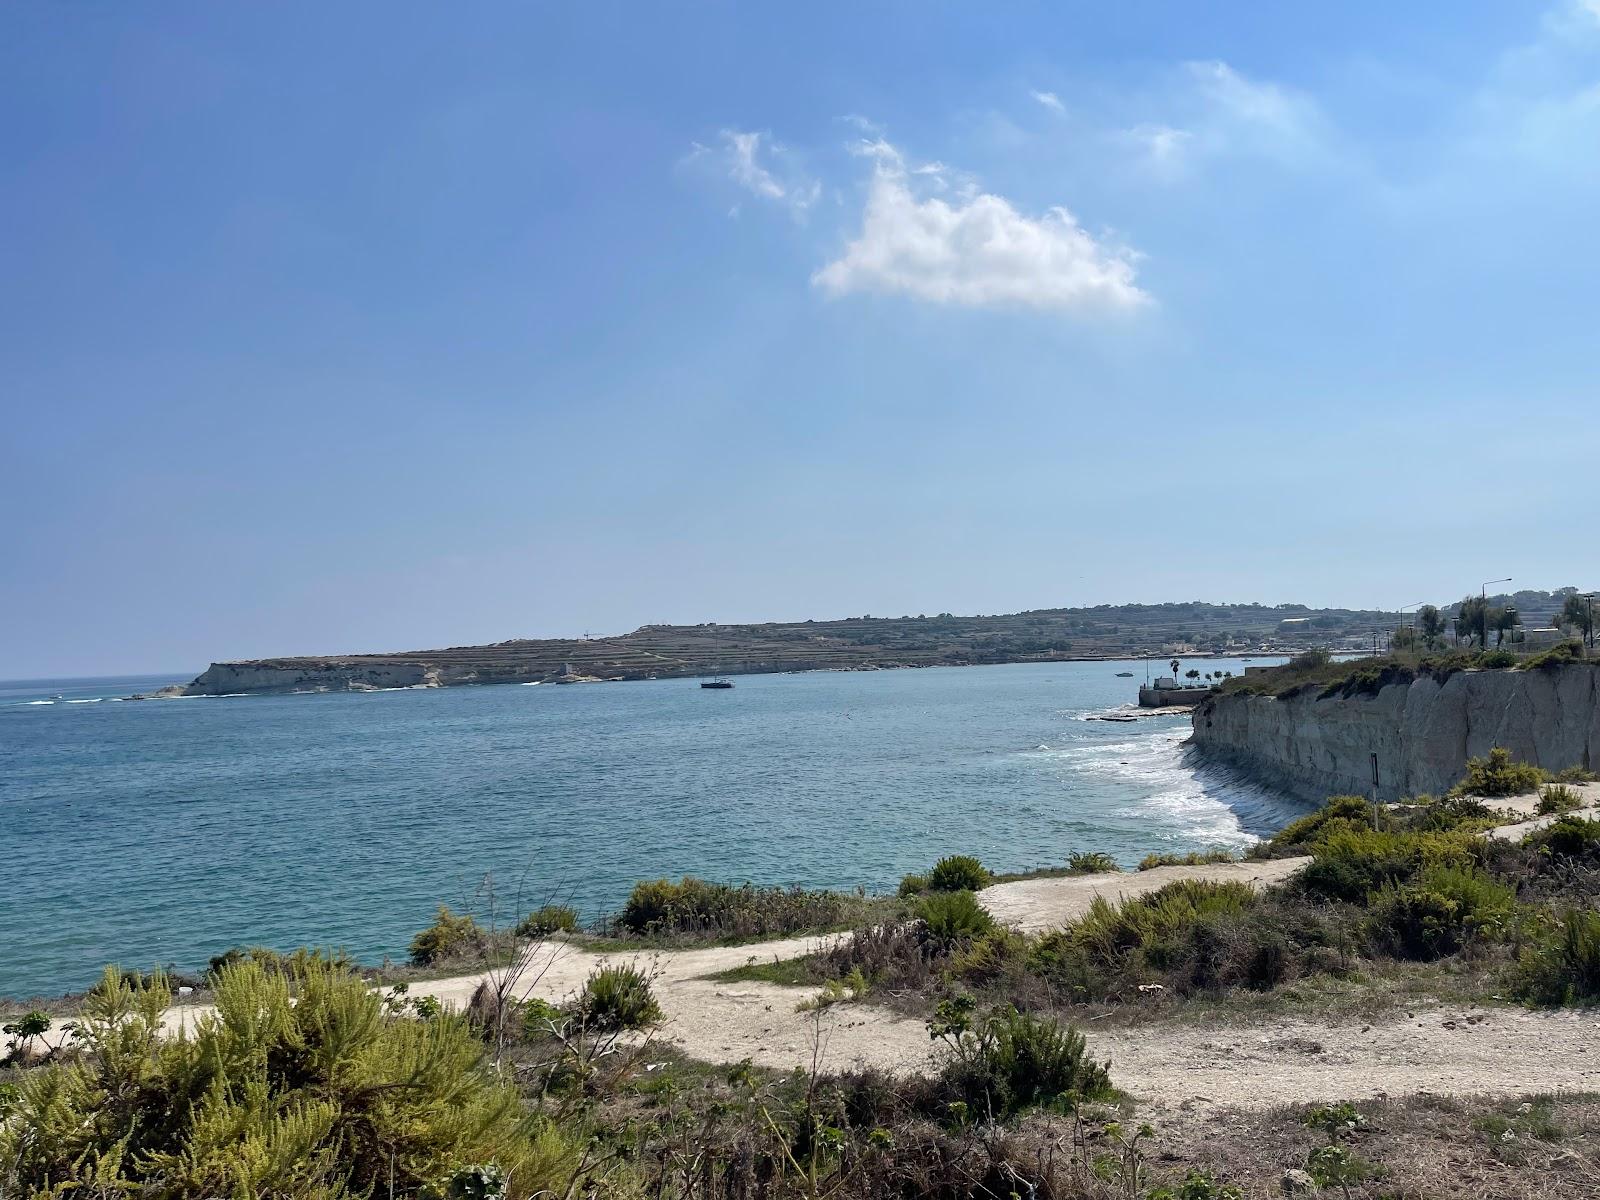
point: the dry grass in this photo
(1424, 1146)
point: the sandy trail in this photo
(1034, 905)
(1432, 1048)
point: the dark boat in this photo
(716, 681)
(1124, 674)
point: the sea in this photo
(162, 832)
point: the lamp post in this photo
(1588, 634)
(1401, 612)
(1483, 612)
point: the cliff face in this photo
(312, 675)
(1423, 732)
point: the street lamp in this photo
(1483, 612)
(1588, 634)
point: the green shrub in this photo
(1497, 660)
(548, 919)
(618, 997)
(1014, 1062)
(1156, 925)
(451, 935)
(1558, 798)
(1198, 1185)
(1351, 864)
(1575, 774)
(272, 960)
(1095, 863)
(1568, 837)
(1191, 859)
(912, 885)
(958, 873)
(271, 1097)
(990, 956)
(1340, 813)
(952, 917)
(1428, 814)
(660, 907)
(1496, 775)
(1565, 968)
(1556, 656)
(1444, 911)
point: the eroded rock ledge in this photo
(1423, 731)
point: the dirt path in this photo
(1431, 1049)
(1033, 905)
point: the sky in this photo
(383, 326)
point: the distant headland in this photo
(864, 643)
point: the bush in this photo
(1558, 798)
(912, 885)
(1353, 864)
(952, 917)
(1444, 911)
(451, 935)
(1497, 775)
(1014, 1062)
(958, 873)
(617, 997)
(551, 918)
(891, 955)
(1340, 813)
(1569, 837)
(272, 960)
(270, 1097)
(1566, 968)
(1575, 774)
(1192, 859)
(1096, 863)
(1557, 656)
(692, 906)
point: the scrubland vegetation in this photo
(310, 1082)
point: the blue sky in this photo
(368, 327)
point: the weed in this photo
(618, 997)
(954, 917)
(1558, 798)
(958, 873)
(1497, 775)
(551, 918)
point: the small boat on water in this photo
(716, 681)
(1124, 674)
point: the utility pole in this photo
(1483, 612)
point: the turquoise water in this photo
(165, 831)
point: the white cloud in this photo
(1215, 111)
(745, 170)
(1163, 147)
(977, 252)
(760, 166)
(1049, 100)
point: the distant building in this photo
(1295, 625)
(1533, 638)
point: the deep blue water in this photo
(165, 831)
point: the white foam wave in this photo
(33, 702)
(95, 700)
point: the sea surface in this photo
(164, 831)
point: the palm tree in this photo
(1577, 612)
(1174, 668)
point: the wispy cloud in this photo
(1213, 110)
(979, 251)
(761, 167)
(1050, 100)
